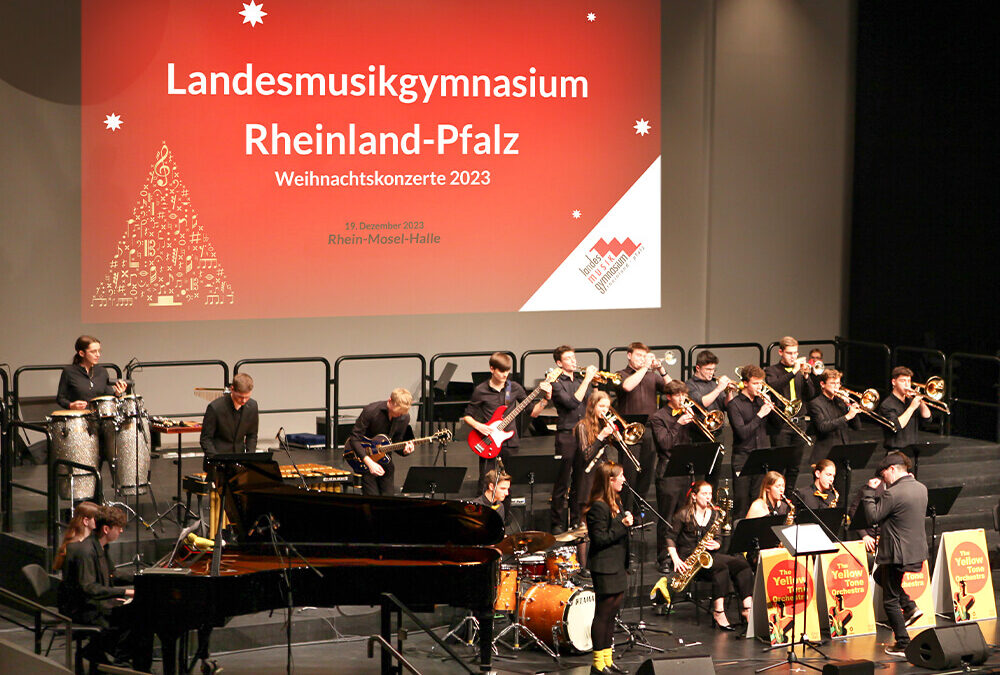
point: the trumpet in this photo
(933, 392)
(817, 367)
(602, 376)
(630, 434)
(712, 422)
(787, 418)
(867, 401)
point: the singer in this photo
(607, 526)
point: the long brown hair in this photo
(76, 530)
(591, 424)
(686, 511)
(770, 478)
(601, 490)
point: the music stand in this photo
(831, 518)
(751, 535)
(939, 503)
(851, 456)
(762, 460)
(801, 541)
(927, 449)
(434, 479)
(693, 459)
(531, 469)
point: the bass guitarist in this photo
(391, 418)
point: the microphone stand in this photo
(283, 444)
(637, 631)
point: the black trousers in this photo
(379, 486)
(645, 452)
(745, 488)
(783, 437)
(565, 491)
(895, 600)
(729, 573)
(602, 628)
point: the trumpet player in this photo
(569, 394)
(703, 387)
(670, 426)
(688, 527)
(832, 415)
(821, 494)
(790, 377)
(641, 379)
(747, 413)
(906, 415)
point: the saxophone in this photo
(700, 558)
(836, 497)
(790, 518)
(726, 503)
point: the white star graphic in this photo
(253, 13)
(113, 122)
(641, 127)
(576, 213)
(591, 17)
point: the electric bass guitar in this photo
(380, 447)
(488, 446)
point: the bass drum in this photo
(73, 437)
(559, 613)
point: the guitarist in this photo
(488, 396)
(391, 418)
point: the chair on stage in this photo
(41, 583)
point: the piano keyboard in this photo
(317, 476)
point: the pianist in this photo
(497, 488)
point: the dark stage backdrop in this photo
(924, 250)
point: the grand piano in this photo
(334, 549)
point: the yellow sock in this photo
(608, 653)
(599, 662)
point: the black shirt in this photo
(814, 498)
(667, 432)
(642, 399)
(570, 410)
(749, 430)
(699, 388)
(76, 385)
(374, 420)
(891, 408)
(830, 424)
(485, 400)
(781, 376)
(496, 506)
(685, 532)
(89, 582)
(226, 429)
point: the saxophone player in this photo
(771, 500)
(689, 527)
(821, 494)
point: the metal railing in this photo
(719, 346)
(16, 393)
(327, 382)
(141, 365)
(6, 454)
(863, 376)
(38, 610)
(548, 352)
(681, 358)
(807, 343)
(429, 410)
(333, 421)
(960, 403)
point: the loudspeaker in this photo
(853, 667)
(698, 665)
(948, 647)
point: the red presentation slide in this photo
(327, 158)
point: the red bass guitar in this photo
(488, 446)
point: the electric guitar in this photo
(380, 447)
(488, 446)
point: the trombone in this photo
(787, 418)
(867, 401)
(712, 422)
(792, 407)
(629, 435)
(602, 376)
(933, 392)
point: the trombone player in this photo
(711, 392)
(905, 415)
(791, 379)
(833, 414)
(747, 413)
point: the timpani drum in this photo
(560, 614)
(73, 437)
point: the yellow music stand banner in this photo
(846, 600)
(962, 584)
(780, 579)
(918, 586)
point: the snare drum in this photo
(73, 437)
(105, 407)
(561, 564)
(506, 589)
(531, 567)
(559, 614)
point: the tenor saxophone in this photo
(700, 558)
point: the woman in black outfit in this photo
(84, 379)
(607, 526)
(690, 525)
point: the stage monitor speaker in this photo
(852, 667)
(697, 665)
(948, 647)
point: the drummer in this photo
(84, 379)
(497, 488)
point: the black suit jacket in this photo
(830, 426)
(609, 544)
(667, 432)
(900, 511)
(88, 586)
(224, 430)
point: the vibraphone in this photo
(316, 476)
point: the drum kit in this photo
(112, 429)
(538, 591)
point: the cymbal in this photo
(572, 535)
(529, 542)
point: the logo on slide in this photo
(608, 261)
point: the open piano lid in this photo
(254, 490)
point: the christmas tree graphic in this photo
(164, 258)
